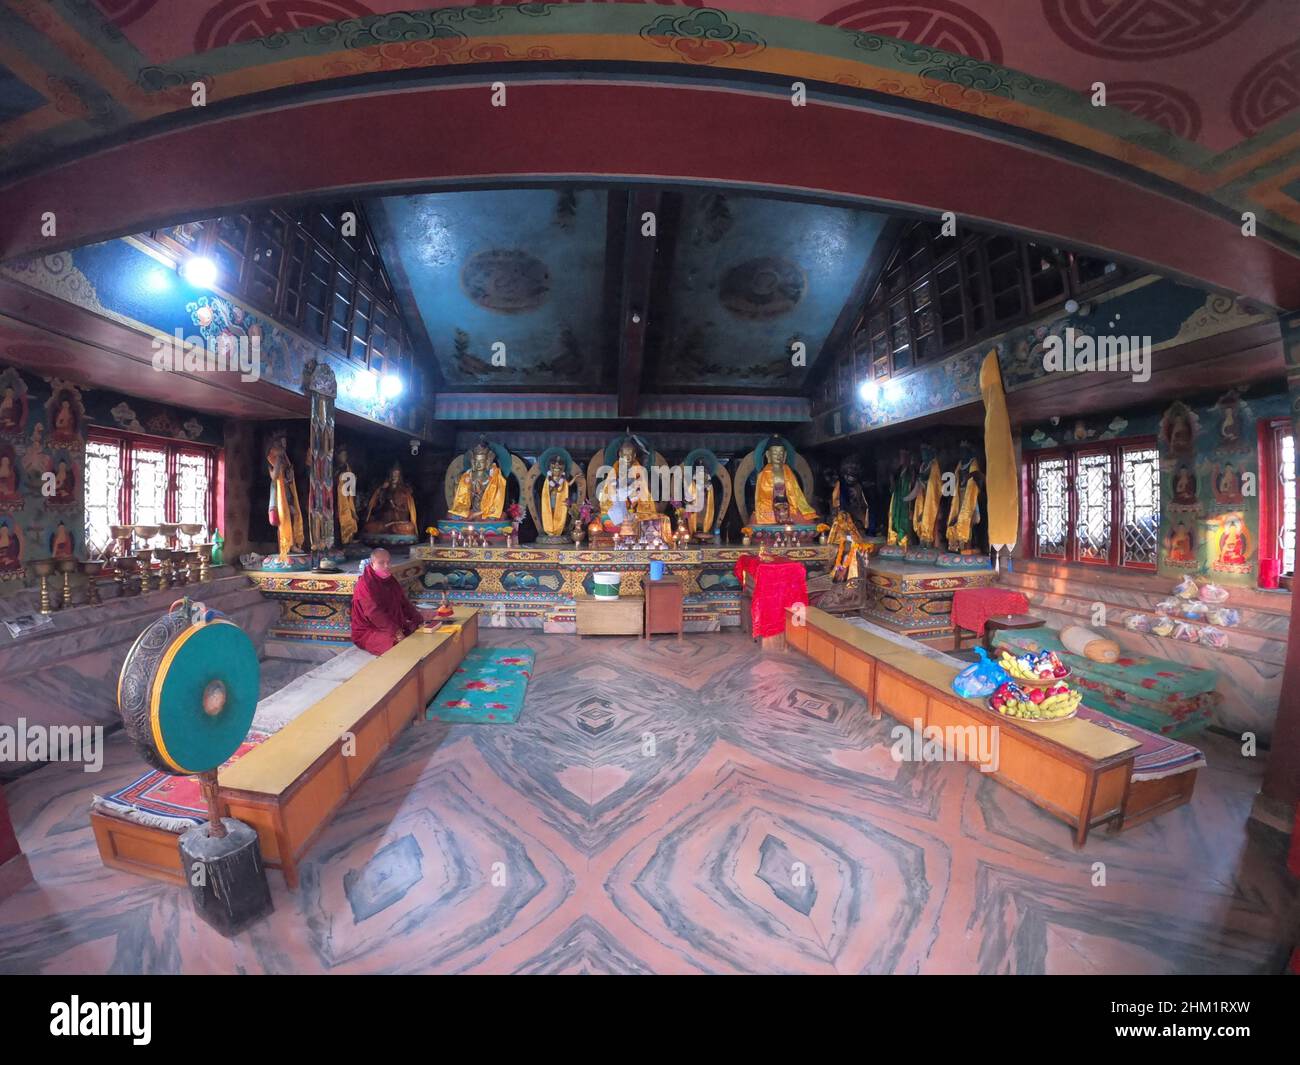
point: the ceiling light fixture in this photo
(200, 271)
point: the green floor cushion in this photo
(1155, 693)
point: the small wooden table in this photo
(609, 617)
(664, 601)
(1008, 621)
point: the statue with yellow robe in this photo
(481, 489)
(778, 499)
(390, 515)
(345, 497)
(283, 510)
(964, 516)
(555, 497)
(925, 507)
(700, 512)
(625, 498)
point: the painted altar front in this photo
(915, 598)
(536, 586)
(316, 606)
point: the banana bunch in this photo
(1035, 704)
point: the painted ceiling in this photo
(752, 278)
(512, 286)
(76, 73)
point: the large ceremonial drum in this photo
(187, 692)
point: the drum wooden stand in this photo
(187, 693)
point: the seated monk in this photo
(381, 613)
(778, 500)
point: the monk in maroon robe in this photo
(381, 612)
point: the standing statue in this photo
(555, 497)
(345, 494)
(965, 517)
(778, 499)
(902, 493)
(699, 512)
(849, 509)
(391, 511)
(481, 490)
(925, 508)
(283, 510)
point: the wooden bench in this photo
(291, 785)
(1073, 769)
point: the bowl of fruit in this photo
(1037, 669)
(1031, 704)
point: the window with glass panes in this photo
(1277, 494)
(139, 480)
(1098, 504)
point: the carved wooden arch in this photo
(715, 468)
(652, 457)
(747, 466)
(532, 496)
(510, 465)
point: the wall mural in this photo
(119, 280)
(1209, 478)
(750, 278)
(43, 427)
(521, 268)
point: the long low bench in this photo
(291, 784)
(1076, 769)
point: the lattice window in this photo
(193, 487)
(103, 475)
(1051, 487)
(1095, 506)
(1139, 505)
(1287, 499)
(148, 485)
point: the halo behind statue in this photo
(753, 462)
(187, 692)
(510, 466)
(714, 467)
(537, 473)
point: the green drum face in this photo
(188, 693)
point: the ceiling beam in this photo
(635, 303)
(842, 331)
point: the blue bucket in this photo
(656, 570)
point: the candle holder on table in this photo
(92, 568)
(67, 566)
(43, 567)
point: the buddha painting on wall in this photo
(481, 489)
(778, 499)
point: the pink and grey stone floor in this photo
(680, 807)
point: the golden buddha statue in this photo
(283, 509)
(391, 511)
(964, 517)
(481, 490)
(625, 498)
(555, 497)
(345, 497)
(778, 499)
(699, 513)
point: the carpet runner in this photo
(488, 687)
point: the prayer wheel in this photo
(188, 690)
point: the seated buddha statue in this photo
(625, 498)
(778, 499)
(481, 489)
(392, 508)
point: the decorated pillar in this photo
(320, 489)
(1276, 803)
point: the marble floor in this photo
(679, 807)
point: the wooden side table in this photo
(1008, 621)
(664, 601)
(609, 617)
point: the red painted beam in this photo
(628, 130)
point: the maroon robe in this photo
(381, 612)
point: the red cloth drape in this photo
(972, 607)
(776, 585)
(381, 612)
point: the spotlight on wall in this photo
(390, 386)
(893, 389)
(868, 391)
(200, 271)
